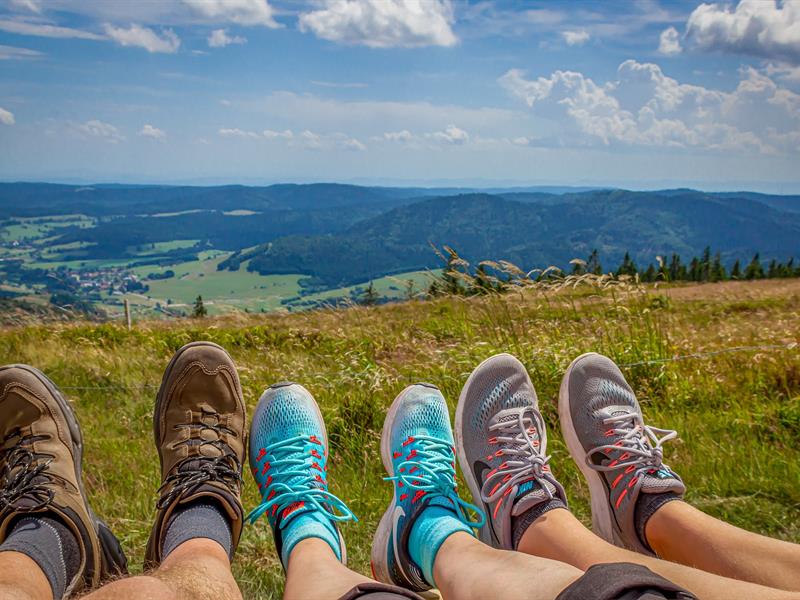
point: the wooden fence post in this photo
(128, 313)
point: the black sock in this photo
(201, 519)
(646, 507)
(520, 524)
(51, 545)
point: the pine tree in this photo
(754, 270)
(718, 269)
(774, 269)
(736, 271)
(628, 267)
(593, 265)
(705, 265)
(370, 296)
(578, 266)
(650, 275)
(199, 310)
(695, 270)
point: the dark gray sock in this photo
(201, 519)
(51, 545)
(520, 524)
(646, 507)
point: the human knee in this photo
(144, 587)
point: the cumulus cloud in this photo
(144, 37)
(219, 38)
(238, 133)
(14, 53)
(152, 132)
(669, 43)
(643, 106)
(275, 135)
(99, 129)
(398, 136)
(353, 144)
(46, 30)
(450, 135)
(761, 28)
(6, 117)
(383, 23)
(241, 12)
(310, 140)
(575, 38)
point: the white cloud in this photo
(784, 72)
(398, 136)
(310, 140)
(240, 133)
(144, 37)
(99, 129)
(645, 107)
(14, 53)
(669, 42)
(219, 38)
(241, 12)
(33, 6)
(152, 132)
(6, 117)
(451, 135)
(353, 144)
(273, 135)
(757, 27)
(576, 38)
(383, 23)
(46, 30)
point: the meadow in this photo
(737, 413)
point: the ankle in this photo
(432, 527)
(659, 529)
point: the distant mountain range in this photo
(343, 234)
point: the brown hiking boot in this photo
(199, 426)
(40, 471)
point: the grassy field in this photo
(738, 413)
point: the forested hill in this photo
(537, 231)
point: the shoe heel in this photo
(115, 564)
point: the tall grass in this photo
(738, 414)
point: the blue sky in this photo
(640, 94)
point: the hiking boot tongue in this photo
(530, 493)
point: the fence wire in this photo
(654, 361)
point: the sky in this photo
(641, 94)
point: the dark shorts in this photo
(379, 591)
(623, 581)
(613, 581)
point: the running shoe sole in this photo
(602, 519)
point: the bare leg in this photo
(464, 569)
(560, 536)
(681, 533)
(467, 569)
(34, 586)
(196, 570)
(314, 573)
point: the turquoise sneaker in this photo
(288, 459)
(418, 452)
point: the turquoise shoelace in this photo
(293, 481)
(434, 472)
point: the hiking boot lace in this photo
(430, 469)
(639, 444)
(186, 478)
(24, 473)
(294, 483)
(526, 461)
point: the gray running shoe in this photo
(501, 444)
(619, 455)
